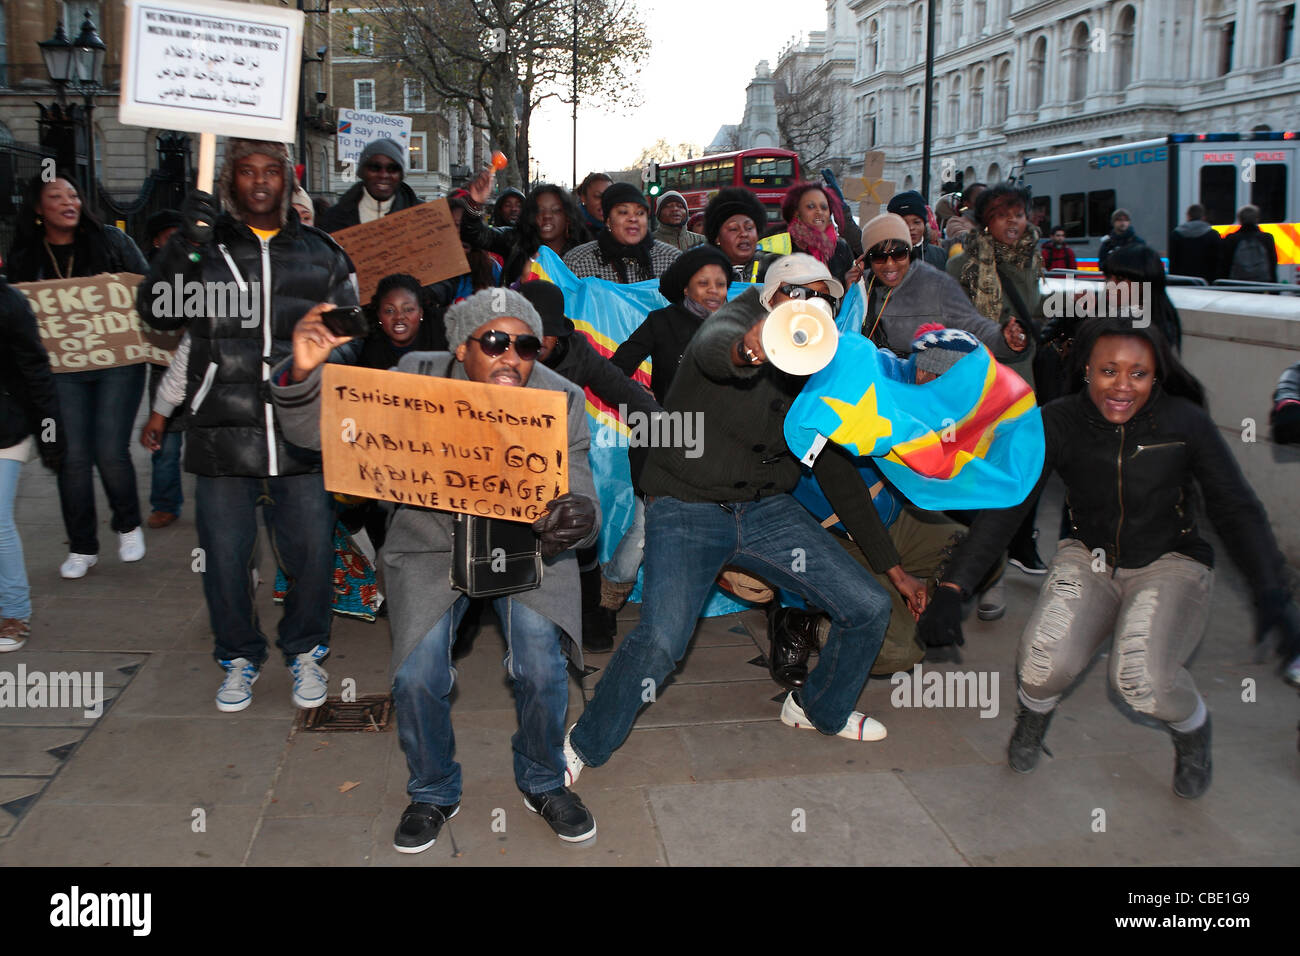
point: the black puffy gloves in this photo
(568, 519)
(198, 213)
(940, 625)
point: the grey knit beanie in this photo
(483, 307)
(382, 147)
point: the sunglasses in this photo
(897, 253)
(383, 167)
(496, 343)
(803, 293)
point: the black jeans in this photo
(98, 410)
(299, 518)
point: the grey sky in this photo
(703, 55)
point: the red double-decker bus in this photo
(768, 172)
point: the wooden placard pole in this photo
(207, 160)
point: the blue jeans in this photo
(98, 409)
(299, 519)
(165, 487)
(686, 544)
(15, 595)
(626, 560)
(422, 694)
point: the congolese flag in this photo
(972, 438)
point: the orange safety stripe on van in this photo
(1286, 236)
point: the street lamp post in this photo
(79, 61)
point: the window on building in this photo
(995, 174)
(1219, 192)
(1079, 62)
(977, 100)
(1285, 31)
(1072, 216)
(413, 96)
(934, 110)
(363, 40)
(918, 32)
(914, 117)
(954, 104)
(938, 24)
(981, 15)
(1268, 191)
(1123, 49)
(363, 94)
(416, 154)
(1101, 203)
(873, 47)
(1002, 93)
(1037, 73)
(869, 126)
(1228, 37)
(957, 21)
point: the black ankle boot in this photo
(1192, 761)
(793, 636)
(1027, 740)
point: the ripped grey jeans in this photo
(1157, 615)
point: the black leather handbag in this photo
(491, 557)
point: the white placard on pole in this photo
(212, 67)
(358, 127)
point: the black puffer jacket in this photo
(1131, 491)
(577, 360)
(232, 426)
(344, 212)
(27, 396)
(663, 337)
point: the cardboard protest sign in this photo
(212, 66)
(421, 241)
(91, 322)
(358, 127)
(439, 443)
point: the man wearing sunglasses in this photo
(381, 192)
(732, 505)
(496, 337)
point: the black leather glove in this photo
(568, 519)
(198, 213)
(1277, 609)
(940, 625)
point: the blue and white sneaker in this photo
(310, 681)
(236, 691)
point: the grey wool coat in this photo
(417, 553)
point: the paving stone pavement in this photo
(709, 775)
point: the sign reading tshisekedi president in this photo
(440, 443)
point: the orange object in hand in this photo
(499, 161)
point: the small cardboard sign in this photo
(91, 322)
(433, 442)
(421, 241)
(359, 127)
(212, 66)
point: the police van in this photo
(1157, 179)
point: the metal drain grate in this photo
(372, 714)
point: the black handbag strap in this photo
(1017, 303)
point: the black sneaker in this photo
(1023, 553)
(1192, 761)
(563, 810)
(421, 823)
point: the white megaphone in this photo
(800, 336)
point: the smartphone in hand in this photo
(349, 321)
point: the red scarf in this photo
(820, 244)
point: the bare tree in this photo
(806, 118)
(661, 152)
(501, 59)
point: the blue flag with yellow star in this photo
(972, 438)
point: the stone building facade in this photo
(1019, 78)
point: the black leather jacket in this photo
(233, 429)
(27, 396)
(1132, 492)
